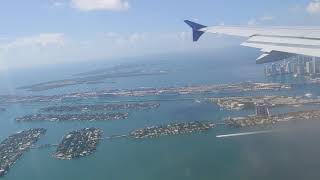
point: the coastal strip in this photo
(144, 92)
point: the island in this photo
(247, 102)
(268, 120)
(13, 147)
(101, 107)
(171, 129)
(146, 92)
(99, 78)
(73, 117)
(78, 143)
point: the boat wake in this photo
(243, 134)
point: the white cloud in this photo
(47, 49)
(31, 51)
(313, 7)
(90, 5)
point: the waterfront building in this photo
(309, 68)
(273, 69)
(262, 110)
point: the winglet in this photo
(195, 29)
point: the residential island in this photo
(171, 129)
(78, 143)
(100, 107)
(273, 119)
(13, 147)
(239, 103)
(72, 117)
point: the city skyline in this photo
(298, 65)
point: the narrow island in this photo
(99, 78)
(254, 120)
(144, 92)
(78, 144)
(72, 117)
(13, 147)
(249, 102)
(171, 129)
(100, 107)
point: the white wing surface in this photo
(276, 43)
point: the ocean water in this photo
(291, 151)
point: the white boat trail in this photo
(243, 134)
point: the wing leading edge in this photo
(276, 43)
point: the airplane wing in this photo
(276, 43)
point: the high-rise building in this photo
(282, 69)
(316, 64)
(309, 68)
(273, 69)
(262, 110)
(313, 65)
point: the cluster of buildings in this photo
(298, 65)
(266, 119)
(171, 129)
(143, 92)
(78, 143)
(101, 107)
(262, 110)
(250, 102)
(73, 117)
(12, 148)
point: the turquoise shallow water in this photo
(291, 152)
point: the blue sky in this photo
(41, 32)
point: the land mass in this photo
(86, 80)
(143, 92)
(78, 143)
(72, 117)
(260, 120)
(13, 147)
(239, 103)
(171, 129)
(100, 107)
